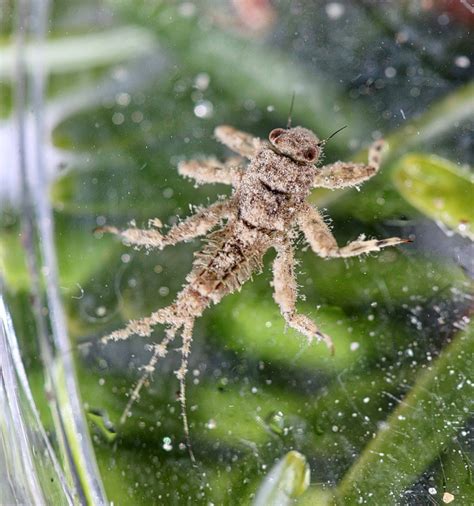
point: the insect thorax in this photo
(273, 190)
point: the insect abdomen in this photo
(225, 264)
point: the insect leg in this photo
(159, 351)
(211, 170)
(324, 244)
(142, 327)
(346, 174)
(361, 246)
(240, 142)
(193, 226)
(285, 295)
(187, 337)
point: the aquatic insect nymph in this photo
(267, 205)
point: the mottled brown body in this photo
(273, 190)
(267, 204)
(228, 260)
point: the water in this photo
(108, 98)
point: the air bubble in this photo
(335, 10)
(167, 446)
(203, 109)
(462, 62)
(118, 118)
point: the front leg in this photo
(324, 244)
(345, 174)
(191, 227)
(286, 291)
(240, 142)
(211, 170)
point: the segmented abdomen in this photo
(227, 261)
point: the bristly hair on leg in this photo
(159, 351)
(187, 338)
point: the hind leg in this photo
(159, 351)
(284, 284)
(142, 327)
(181, 373)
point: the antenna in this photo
(334, 133)
(288, 124)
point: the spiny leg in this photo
(159, 351)
(285, 295)
(240, 142)
(142, 327)
(187, 338)
(211, 170)
(196, 225)
(345, 174)
(324, 244)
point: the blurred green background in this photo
(135, 86)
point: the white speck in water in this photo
(354, 346)
(432, 491)
(163, 291)
(254, 390)
(335, 10)
(447, 498)
(335, 428)
(402, 112)
(211, 424)
(102, 382)
(167, 446)
(270, 108)
(443, 19)
(187, 9)
(463, 227)
(122, 99)
(125, 258)
(118, 118)
(203, 109)
(390, 72)
(366, 400)
(137, 116)
(100, 311)
(202, 81)
(268, 324)
(462, 62)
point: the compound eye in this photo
(310, 154)
(274, 134)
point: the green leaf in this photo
(289, 478)
(254, 326)
(438, 189)
(443, 116)
(417, 430)
(455, 471)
